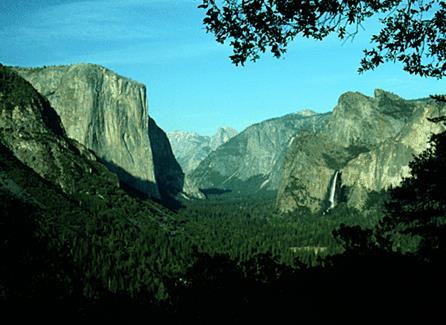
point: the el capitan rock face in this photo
(369, 141)
(108, 113)
(105, 112)
(32, 131)
(251, 161)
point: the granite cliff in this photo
(108, 114)
(32, 131)
(366, 145)
(67, 227)
(191, 148)
(252, 160)
(105, 112)
(170, 177)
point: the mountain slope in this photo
(367, 141)
(60, 200)
(252, 160)
(169, 175)
(191, 148)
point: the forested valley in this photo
(227, 259)
(299, 216)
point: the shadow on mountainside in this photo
(139, 188)
(133, 185)
(168, 173)
(214, 191)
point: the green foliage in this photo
(114, 243)
(116, 257)
(99, 245)
(412, 32)
(107, 243)
(244, 228)
(414, 221)
(17, 92)
(14, 90)
(417, 208)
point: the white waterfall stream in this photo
(331, 198)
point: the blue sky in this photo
(191, 83)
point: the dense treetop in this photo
(411, 32)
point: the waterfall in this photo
(331, 198)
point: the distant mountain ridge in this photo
(252, 160)
(190, 148)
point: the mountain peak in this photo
(226, 129)
(222, 135)
(352, 96)
(306, 113)
(380, 93)
(190, 148)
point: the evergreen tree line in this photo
(225, 260)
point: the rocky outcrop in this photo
(105, 112)
(32, 131)
(191, 148)
(169, 175)
(252, 160)
(369, 141)
(223, 135)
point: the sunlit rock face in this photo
(191, 148)
(252, 160)
(370, 140)
(32, 131)
(105, 112)
(223, 135)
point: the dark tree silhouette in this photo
(414, 222)
(412, 32)
(418, 206)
